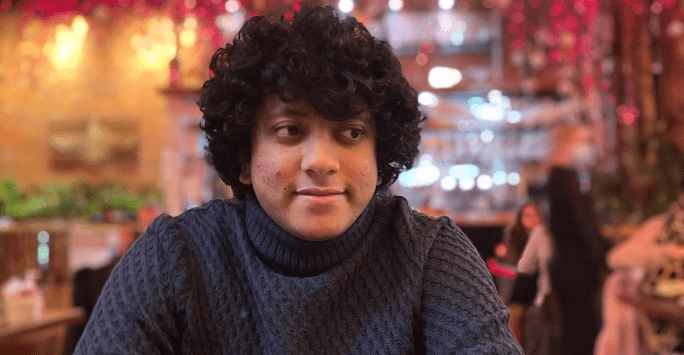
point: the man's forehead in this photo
(299, 108)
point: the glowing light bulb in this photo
(487, 136)
(466, 184)
(499, 178)
(444, 77)
(514, 116)
(65, 51)
(484, 182)
(43, 237)
(445, 4)
(190, 23)
(448, 183)
(187, 38)
(427, 98)
(464, 171)
(80, 26)
(395, 5)
(232, 6)
(346, 6)
(513, 178)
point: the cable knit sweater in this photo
(225, 279)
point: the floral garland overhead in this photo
(55, 11)
(562, 39)
(179, 8)
(650, 66)
(207, 9)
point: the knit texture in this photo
(225, 279)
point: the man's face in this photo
(311, 175)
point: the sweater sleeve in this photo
(461, 312)
(134, 314)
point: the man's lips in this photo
(319, 191)
(320, 196)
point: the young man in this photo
(309, 121)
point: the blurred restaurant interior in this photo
(99, 123)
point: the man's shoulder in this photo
(419, 226)
(418, 219)
(213, 209)
(212, 218)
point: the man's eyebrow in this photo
(366, 117)
(294, 111)
(291, 111)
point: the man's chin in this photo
(312, 232)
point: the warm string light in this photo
(65, 49)
(156, 47)
(188, 35)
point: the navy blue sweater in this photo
(225, 279)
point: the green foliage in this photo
(647, 192)
(9, 194)
(80, 199)
(119, 198)
(152, 194)
(663, 180)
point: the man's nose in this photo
(320, 155)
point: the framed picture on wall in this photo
(89, 144)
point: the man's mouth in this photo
(320, 191)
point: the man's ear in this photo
(379, 181)
(245, 174)
(245, 171)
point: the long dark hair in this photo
(516, 235)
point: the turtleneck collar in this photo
(299, 257)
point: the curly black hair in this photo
(331, 62)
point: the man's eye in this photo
(352, 135)
(288, 131)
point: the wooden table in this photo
(44, 336)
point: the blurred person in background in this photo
(309, 120)
(542, 326)
(643, 312)
(577, 267)
(517, 234)
(644, 295)
(519, 292)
